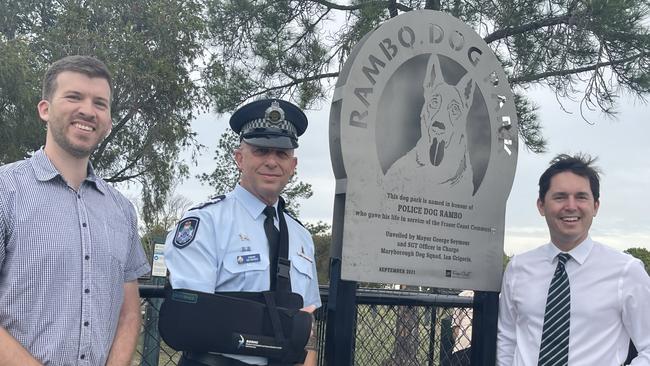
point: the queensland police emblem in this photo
(186, 231)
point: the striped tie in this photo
(554, 349)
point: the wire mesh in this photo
(386, 334)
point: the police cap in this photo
(271, 123)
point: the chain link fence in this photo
(393, 328)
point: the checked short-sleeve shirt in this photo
(64, 258)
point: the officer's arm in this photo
(311, 359)
(191, 252)
(312, 343)
(128, 327)
(12, 353)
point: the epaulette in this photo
(211, 201)
(293, 217)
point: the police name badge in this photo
(251, 258)
(186, 232)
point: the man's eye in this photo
(260, 152)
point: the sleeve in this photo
(4, 227)
(506, 336)
(191, 252)
(137, 264)
(312, 296)
(635, 297)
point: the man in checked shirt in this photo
(70, 254)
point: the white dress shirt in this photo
(610, 303)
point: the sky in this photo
(622, 145)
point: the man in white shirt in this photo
(607, 299)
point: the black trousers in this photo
(206, 359)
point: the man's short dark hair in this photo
(579, 164)
(86, 65)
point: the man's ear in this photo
(540, 206)
(295, 164)
(44, 110)
(238, 157)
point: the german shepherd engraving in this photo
(440, 157)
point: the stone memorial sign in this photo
(423, 138)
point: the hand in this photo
(309, 309)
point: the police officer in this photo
(222, 246)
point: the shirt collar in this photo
(252, 204)
(579, 253)
(45, 170)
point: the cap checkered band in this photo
(264, 123)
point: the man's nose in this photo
(86, 109)
(271, 159)
(571, 203)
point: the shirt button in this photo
(86, 324)
(79, 196)
(87, 290)
(82, 357)
(87, 257)
(84, 224)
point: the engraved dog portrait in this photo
(440, 156)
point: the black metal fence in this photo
(393, 328)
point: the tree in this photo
(322, 235)
(642, 254)
(151, 47)
(161, 219)
(225, 176)
(295, 48)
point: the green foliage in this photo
(225, 175)
(322, 243)
(506, 260)
(291, 48)
(151, 47)
(642, 254)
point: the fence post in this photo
(151, 342)
(341, 303)
(446, 342)
(484, 328)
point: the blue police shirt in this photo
(222, 247)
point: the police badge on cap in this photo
(271, 123)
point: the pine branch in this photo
(335, 6)
(507, 32)
(294, 83)
(596, 66)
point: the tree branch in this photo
(392, 8)
(294, 83)
(116, 128)
(116, 179)
(507, 32)
(532, 78)
(335, 6)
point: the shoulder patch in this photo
(211, 201)
(186, 232)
